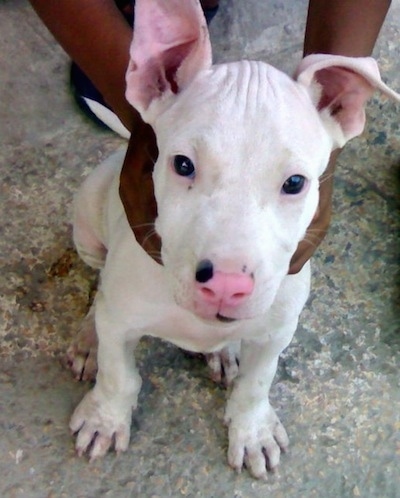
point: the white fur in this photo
(247, 128)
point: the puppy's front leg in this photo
(103, 417)
(256, 435)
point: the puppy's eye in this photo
(184, 166)
(294, 184)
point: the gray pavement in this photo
(337, 387)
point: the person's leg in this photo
(348, 28)
(88, 97)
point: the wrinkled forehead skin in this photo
(243, 111)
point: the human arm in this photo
(348, 28)
(97, 37)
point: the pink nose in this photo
(226, 289)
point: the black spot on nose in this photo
(204, 271)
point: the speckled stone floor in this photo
(337, 387)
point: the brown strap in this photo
(136, 189)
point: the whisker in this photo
(315, 231)
(148, 236)
(310, 242)
(155, 255)
(312, 237)
(143, 225)
(324, 177)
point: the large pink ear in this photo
(170, 46)
(341, 86)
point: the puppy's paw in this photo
(81, 356)
(224, 364)
(99, 426)
(256, 440)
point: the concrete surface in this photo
(337, 388)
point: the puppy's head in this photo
(241, 149)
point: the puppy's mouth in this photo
(224, 319)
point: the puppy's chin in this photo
(222, 317)
(209, 317)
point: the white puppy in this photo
(241, 150)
